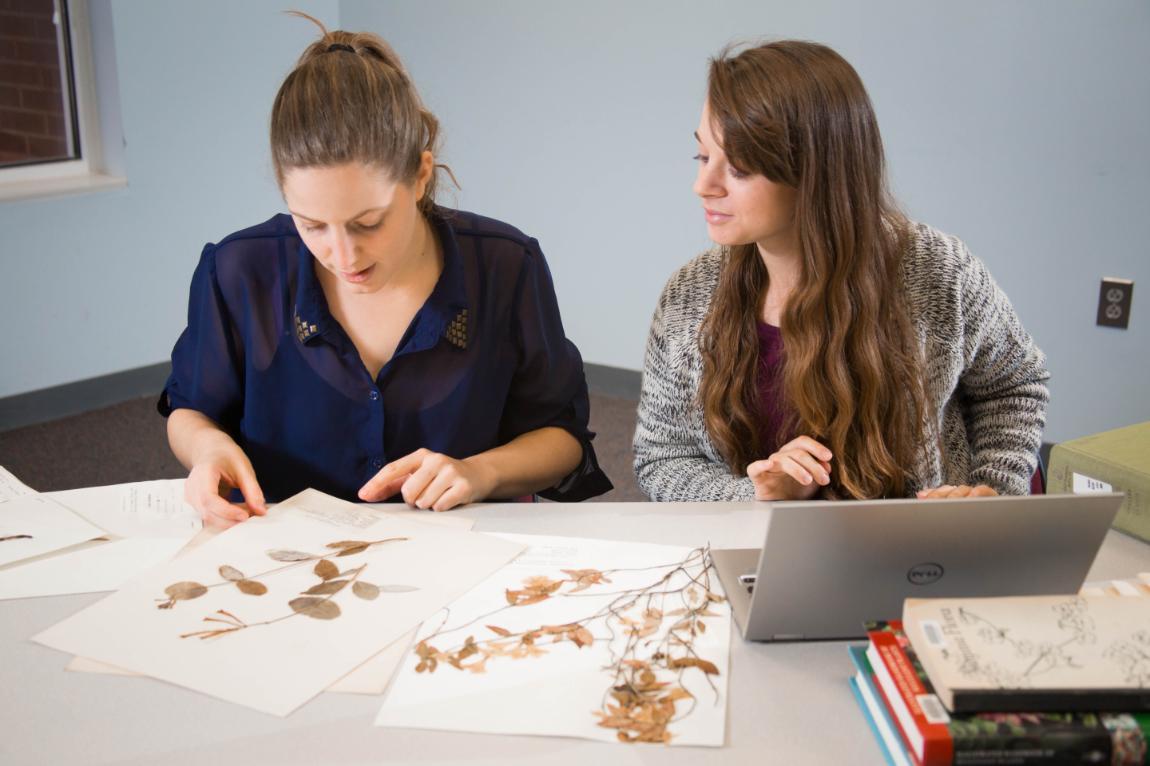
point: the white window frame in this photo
(63, 177)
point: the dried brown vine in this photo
(645, 692)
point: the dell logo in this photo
(924, 574)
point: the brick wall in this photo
(32, 125)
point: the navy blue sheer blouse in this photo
(484, 360)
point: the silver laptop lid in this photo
(826, 567)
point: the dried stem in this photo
(645, 705)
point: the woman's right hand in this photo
(216, 465)
(213, 478)
(795, 472)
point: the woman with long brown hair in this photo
(372, 344)
(827, 346)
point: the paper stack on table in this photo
(88, 540)
(34, 525)
(272, 611)
(373, 676)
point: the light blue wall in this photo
(98, 283)
(1020, 126)
(1023, 127)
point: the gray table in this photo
(789, 703)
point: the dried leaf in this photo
(497, 649)
(585, 578)
(542, 583)
(231, 574)
(694, 662)
(285, 555)
(468, 649)
(526, 598)
(185, 591)
(526, 650)
(652, 619)
(251, 587)
(351, 551)
(365, 590)
(348, 544)
(582, 637)
(317, 608)
(326, 569)
(479, 666)
(397, 588)
(326, 588)
(499, 631)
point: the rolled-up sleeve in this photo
(206, 366)
(549, 388)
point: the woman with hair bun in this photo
(827, 346)
(372, 344)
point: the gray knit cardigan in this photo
(980, 364)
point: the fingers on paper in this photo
(253, 495)
(204, 490)
(436, 476)
(425, 479)
(392, 477)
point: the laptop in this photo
(828, 566)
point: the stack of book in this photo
(1043, 679)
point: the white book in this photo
(1034, 653)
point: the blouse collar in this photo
(445, 313)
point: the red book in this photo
(917, 712)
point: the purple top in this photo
(770, 383)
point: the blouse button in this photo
(376, 463)
(374, 395)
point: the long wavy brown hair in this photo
(797, 113)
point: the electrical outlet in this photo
(1114, 302)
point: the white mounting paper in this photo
(277, 667)
(11, 487)
(136, 509)
(555, 693)
(101, 565)
(49, 526)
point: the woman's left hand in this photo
(962, 490)
(429, 480)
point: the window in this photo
(49, 125)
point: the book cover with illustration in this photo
(1034, 653)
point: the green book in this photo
(1117, 460)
